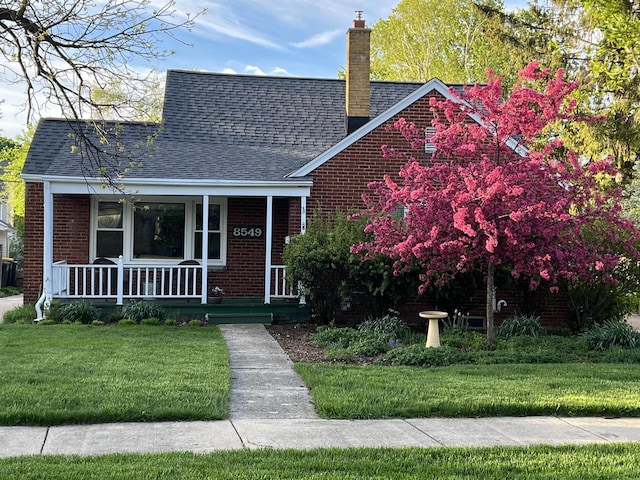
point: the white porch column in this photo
(303, 215)
(120, 285)
(47, 247)
(267, 260)
(205, 247)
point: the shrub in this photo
(196, 323)
(335, 337)
(421, 356)
(345, 343)
(97, 323)
(54, 313)
(389, 326)
(370, 344)
(613, 333)
(139, 310)
(22, 314)
(520, 325)
(82, 311)
(464, 340)
(126, 321)
(171, 322)
(322, 261)
(150, 321)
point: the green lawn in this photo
(612, 461)
(63, 374)
(341, 391)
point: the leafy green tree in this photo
(452, 40)
(117, 101)
(13, 153)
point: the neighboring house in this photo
(5, 229)
(253, 154)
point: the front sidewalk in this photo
(205, 437)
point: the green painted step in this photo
(239, 317)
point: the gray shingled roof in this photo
(224, 127)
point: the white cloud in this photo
(253, 70)
(279, 71)
(228, 70)
(318, 39)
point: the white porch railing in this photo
(120, 282)
(279, 286)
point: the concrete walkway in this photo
(263, 382)
(271, 408)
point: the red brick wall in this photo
(71, 219)
(33, 234)
(244, 274)
(340, 182)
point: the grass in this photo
(342, 391)
(609, 461)
(69, 374)
(9, 291)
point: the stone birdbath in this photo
(433, 330)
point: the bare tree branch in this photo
(62, 50)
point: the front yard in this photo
(64, 374)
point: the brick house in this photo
(255, 155)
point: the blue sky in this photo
(286, 37)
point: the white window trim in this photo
(189, 228)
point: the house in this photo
(254, 155)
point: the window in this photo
(109, 234)
(214, 232)
(158, 229)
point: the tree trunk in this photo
(490, 283)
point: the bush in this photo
(126, 321)
(389, 326)
(196, 323)
(612, 333)
(334, 337)
(464, 340)
(345, 343)
(22, 314)
(139, 310)
(82, 311)
(171, 322)
(520, 325)
(322, 261)
(150, 321)
(421, 356)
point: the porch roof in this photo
(220, 127)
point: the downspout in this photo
(302, 300)
(47, 255)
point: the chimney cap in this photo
(358, 22)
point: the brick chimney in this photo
(358, 69)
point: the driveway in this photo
(9, 303)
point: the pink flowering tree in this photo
(500, 189)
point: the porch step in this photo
(239, 317)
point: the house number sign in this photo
(247, 232)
